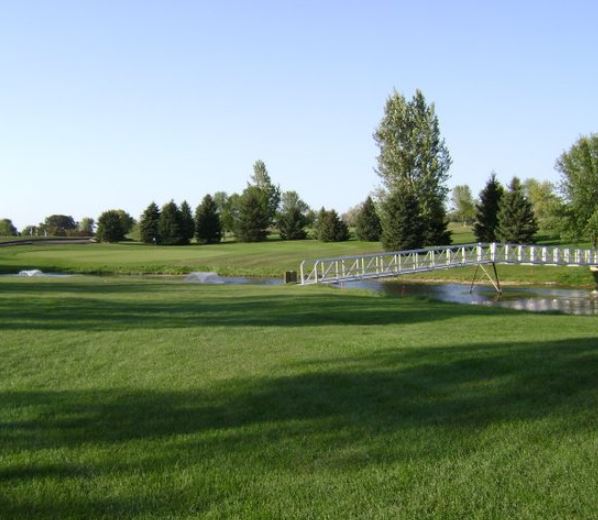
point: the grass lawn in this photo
(155, 399)
(270, 258)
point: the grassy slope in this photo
(270, 258)
(154, 399)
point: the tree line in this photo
(408, 211)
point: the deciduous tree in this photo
(579, 181)
(110, 227)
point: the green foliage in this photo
(591, 229)
(330, 227)
(579, 181)
(59, 225)
(208, 229)
(516, 221)
(127, 221)
(486, 216)
(85, 226)
(291, 220)
(254, 215)
(7, 228)
(414, 159)
(170, 225)
(463, 204)
(187, 222)
(261, 179)
(402, 227)
(149, 225)
(110, 226)
(367, 222)
(227, 207)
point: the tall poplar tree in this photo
(414, 160)
(486, 212)
(261, 180)
(516, 220)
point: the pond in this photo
(535, 299)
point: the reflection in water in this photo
(535, 299)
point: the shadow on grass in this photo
(408, 405)
(59, 307)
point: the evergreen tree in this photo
(486, 216)
(331, 228)
(516, 221)
(367, 225)
(402, 225)
(414, 159)
(208, 228)
(187, 222)
(261, 179)
(254, 216)
(292, 219)
(149, 224)
(110, 227)
(169, 228)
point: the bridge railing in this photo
(378, 265)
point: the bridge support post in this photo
(494, 281)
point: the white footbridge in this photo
(398, 263)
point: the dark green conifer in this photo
(368, 226)
(170, 225)
(208, 229)
(187, 222)
(331, 228)
(516, 220)
(253, 215)
(402, 226)
(149, 224)
(486, 217)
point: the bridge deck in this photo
(378, 265)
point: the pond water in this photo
(535, 299)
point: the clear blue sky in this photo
(115, 103)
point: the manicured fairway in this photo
(154, 399)
(269, 258)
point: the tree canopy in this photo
(110, 226)
(415, 161)
(579, 181)
(516, 220)
(368, 226)
(486, 211)
(208, 229)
